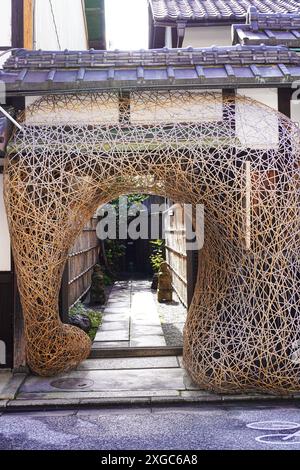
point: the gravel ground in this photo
(173, 317)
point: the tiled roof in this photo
(279, 29)
(38, 60)
(203, 11)
(51, 71)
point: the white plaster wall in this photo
(264, 135)
(5, 29)
(5, 261)
(295, 111)
(70, 31)
(177, 109)
(206, 36)
(266, 96)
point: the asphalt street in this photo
(257, 426)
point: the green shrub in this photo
(157, 254)
(95, 317)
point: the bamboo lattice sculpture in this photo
(237, 157)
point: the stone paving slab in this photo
(117, 310)
(9, 384)
(115, 317)
(130, 315)
(97, 395)
(129, 363)
(110, 344)
(145, 326)
(107, 380)
(112, 335)
(147, 341)
(145, 330)
(114, 325)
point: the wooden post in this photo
(64, 296)
(124, 108)
(248, 205)
(28, 24)
(22, 23)
(17, 23)
(284, 101)
(229, 107)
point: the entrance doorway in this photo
(235, 156)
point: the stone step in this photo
(135, 352)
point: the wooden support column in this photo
(17, 23)
(229, 96)
(11, 321)
(248, 205)
(28, 24)
(284, 101)
(192, 272)
(22, 23)
(124, 107)
(64, 296)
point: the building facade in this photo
(202, 24)
(49, 25)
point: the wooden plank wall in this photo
(82, 258)
(176, 255)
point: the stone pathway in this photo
(130, 318)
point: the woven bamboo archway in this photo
(237, 157)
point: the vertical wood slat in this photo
(176, 255)
(28, 24)
(248, 205)
(82, 258)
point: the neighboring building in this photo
(273, 30)
(202, 23)
(48, 25)
(264, 71)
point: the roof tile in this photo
(216, 10)
(263, 28)
(38, 72)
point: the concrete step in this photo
(135, 352)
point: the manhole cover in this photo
(72, 384)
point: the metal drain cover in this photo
(72, 384)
